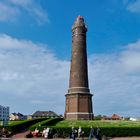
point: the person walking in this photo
(73, 135)
(44, 132)
(91, 134)
(98, 133)
(79, 132)
(47, 133)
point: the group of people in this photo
(4, 132)
(44, 133)
(92, 134)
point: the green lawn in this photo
(100, 123)
(95, 123)
(110, 128)
(14, 122)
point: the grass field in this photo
(95, 123)
(112, 128)
(100, 123)
(14, 122)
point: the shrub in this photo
(53, 121)
(120, 131)
(63, 128)
(107, 131)
(16, 127)
(49, 122)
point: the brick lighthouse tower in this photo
(79, 99)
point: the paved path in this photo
(20, 135)
(119, 138)
(127, 138)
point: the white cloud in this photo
(115, 81)
(29, 72)
(33, 9)
(114, 88)
(131, 57)
(134, 6)
(6, 12)
(23, 3)
(34, 79)
(11, 10)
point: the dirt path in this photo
(20, 135)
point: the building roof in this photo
(115, 116)
(17, 114)
(44, 113)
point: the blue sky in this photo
(35, 50)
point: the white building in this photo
(133, 119)
(4, 115)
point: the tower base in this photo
(78, 105)
(79, 116)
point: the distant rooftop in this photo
(44, 113)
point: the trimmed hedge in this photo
(120, 131)
(53, 121)
(107, 131)
(49, 122)
(23, 125)
(65, 130)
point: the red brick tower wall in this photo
(78, 98)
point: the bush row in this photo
(107, 131)
(120, 131)
(65, 131)
(14, 128)
(45, 123)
